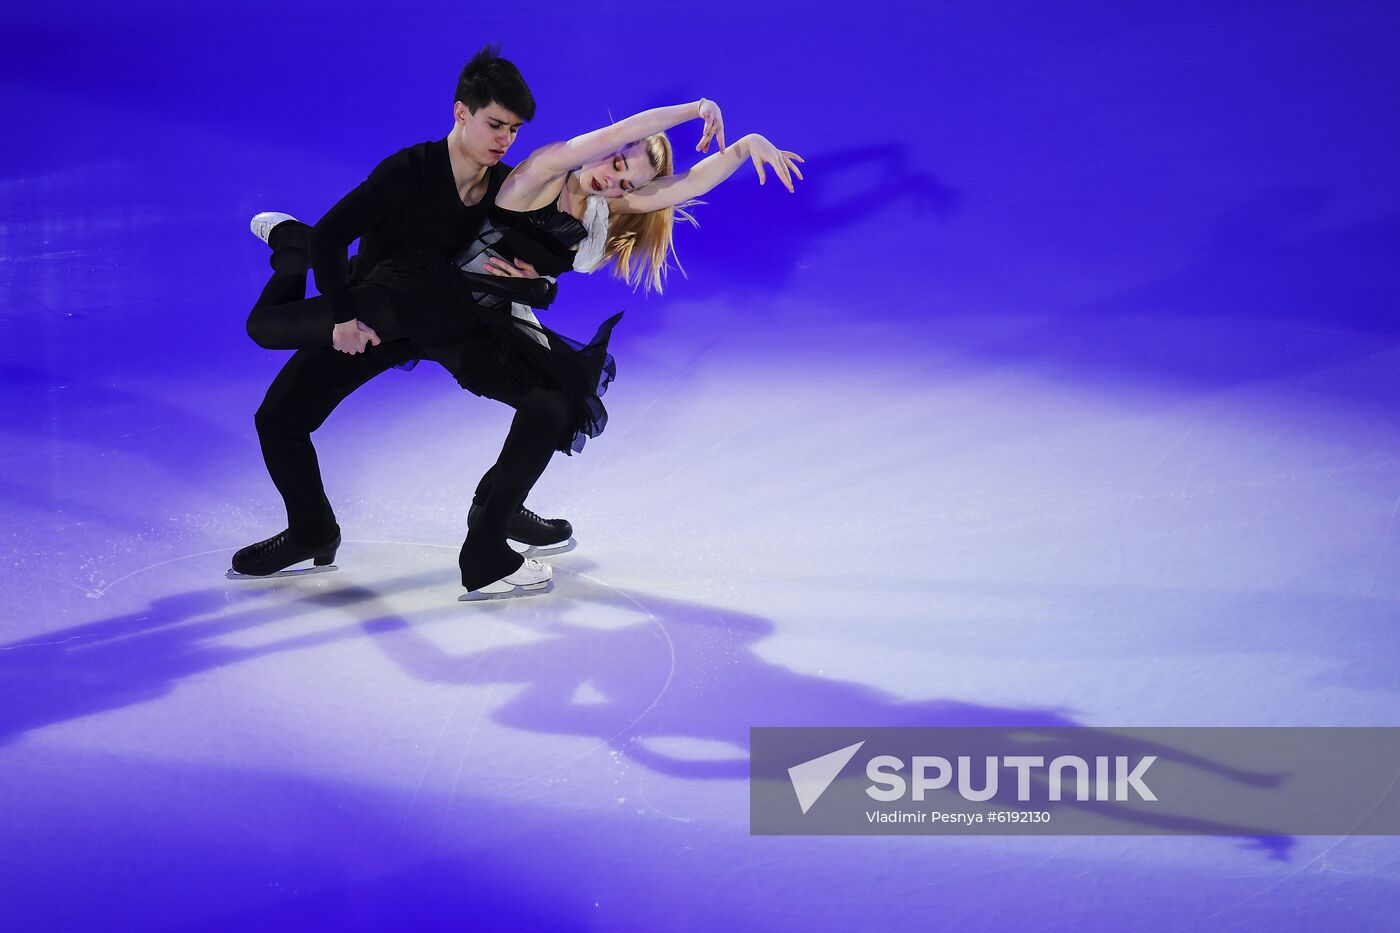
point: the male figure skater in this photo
(430, 196)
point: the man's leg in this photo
(309, 387)
(298, 402)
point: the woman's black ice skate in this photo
(272, 557)
(539, 535)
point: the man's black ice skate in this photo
(272, 557)
(539, 535)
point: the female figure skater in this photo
(605, 196)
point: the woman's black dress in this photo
(462, 318)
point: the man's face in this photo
(489, 132)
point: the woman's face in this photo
(623, 171)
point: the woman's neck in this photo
(573, 200)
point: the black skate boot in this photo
(540, 535)
(270, 558)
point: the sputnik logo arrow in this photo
(811, 778)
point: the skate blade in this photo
(517, 591)
(542, 550)
(304, 572)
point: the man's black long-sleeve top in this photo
(409, 202)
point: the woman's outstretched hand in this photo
(784, 163)
(352, 336)
(714, 125)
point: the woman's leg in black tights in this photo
(541, 417)
(285, 319)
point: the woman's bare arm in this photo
(708, 174)
(547, 164)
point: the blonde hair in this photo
(642, 244)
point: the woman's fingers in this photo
(784, 163)
(768, 155)
(793, 157)
(714, 125)
(780, 166)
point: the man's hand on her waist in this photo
(519, 269)
(353, 336)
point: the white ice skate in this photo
(263, 224)
(534, 578)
